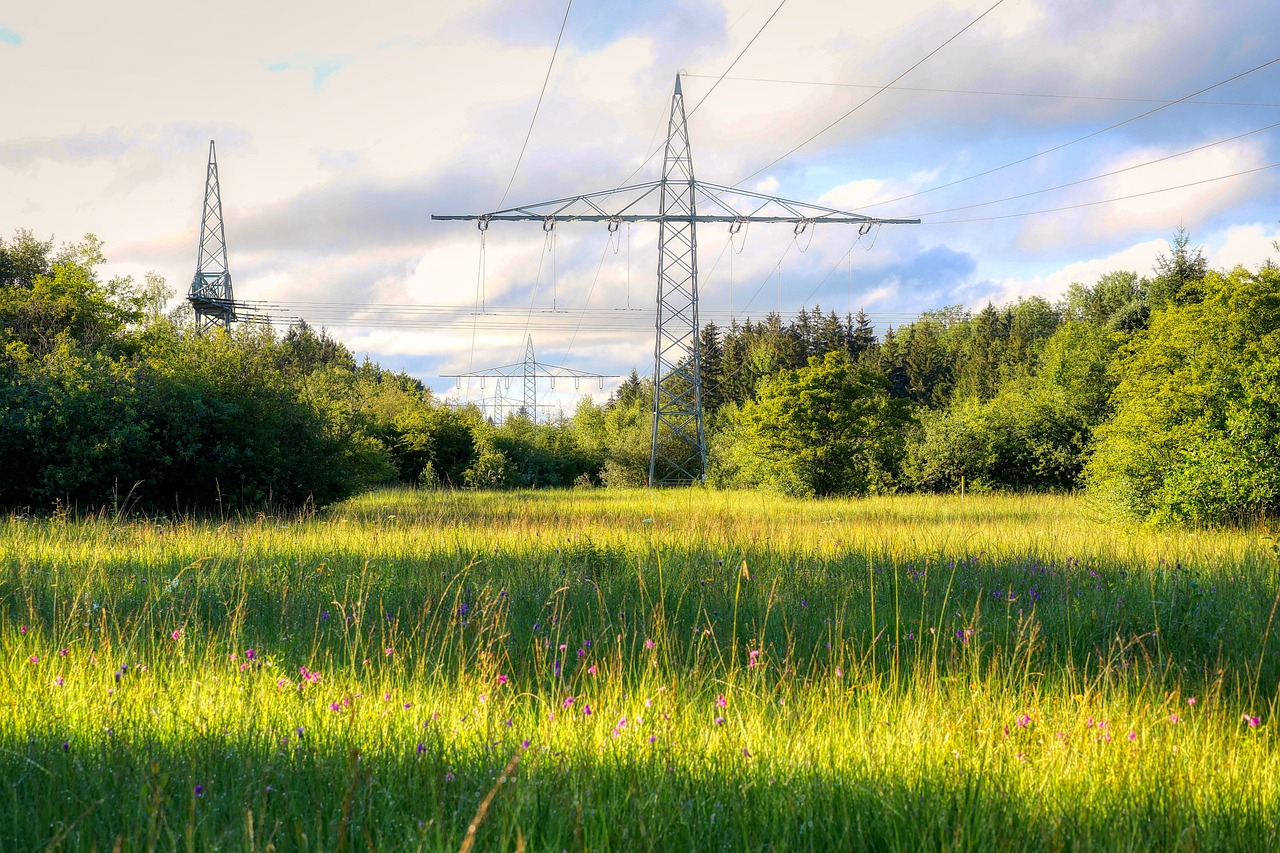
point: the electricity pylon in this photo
(211, 295)
(678, 452)
(530, 370)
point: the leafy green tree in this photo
(1027, 437)
(1196, 432)
(827, 428)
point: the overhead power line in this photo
(1078, 139)
(873, 95)
(538, 106)
(1112, 173)
(1045, 95)
(701, 100)
(1105, 200)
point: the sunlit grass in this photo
(903, 672)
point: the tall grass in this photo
(646, 670)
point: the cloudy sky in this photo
(1022, 144)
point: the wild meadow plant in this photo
(638, 670)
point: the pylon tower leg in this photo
(678, 455)
(211, 295)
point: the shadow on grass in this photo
(228, 794)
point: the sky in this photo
(1037, 145)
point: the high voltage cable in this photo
(538, 106)
(736, 58)
(646, 160)
(1098, 177)
(1074, 141)
(872, 96)
(989, 93)
(1105, 200)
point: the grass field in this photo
(633, 670)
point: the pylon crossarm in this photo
(717, 196)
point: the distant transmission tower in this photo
(678, 453)
(529, 371)
(211, 295)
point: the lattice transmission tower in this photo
(529, 371)
(211, 295)
(678, 453)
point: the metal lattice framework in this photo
(211, 295)
(529, 371)
(678, 454)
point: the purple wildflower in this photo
(199, 790)
(250, 654)
(648, 644)
(1024, 721)
(567, 702)
(722, 702)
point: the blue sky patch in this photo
(321, 68)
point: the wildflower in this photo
(177, 634)
(1191, 700)
(390, 651)
(62, 653)
(421, 747)
(199, 790)
(250, 654)
(567, 702)
(1132, 735)
(746, 753)
(839, 672)
(1253, 721)
(484, 698)
(524, 744)
(719, 721)
(1024, 721)
(722, 702)
(23, 629)
(335, 706)
(591, 670)
(34, 658)
(386, 697)
(502, 679)
(648, 644)
(58, 681)
(581, 653)
(753, 658)
(507, 722)
(1174, 718)
(652, 738)
(586, 710)
(449, 777)
(324, 616)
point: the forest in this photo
(1157, 394)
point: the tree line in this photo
(1160, 394)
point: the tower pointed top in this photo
(213, 157)
(677, 82)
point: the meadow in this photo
(619, 670)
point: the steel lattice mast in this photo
(678, 452)
(530, 370)
(211, 295)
